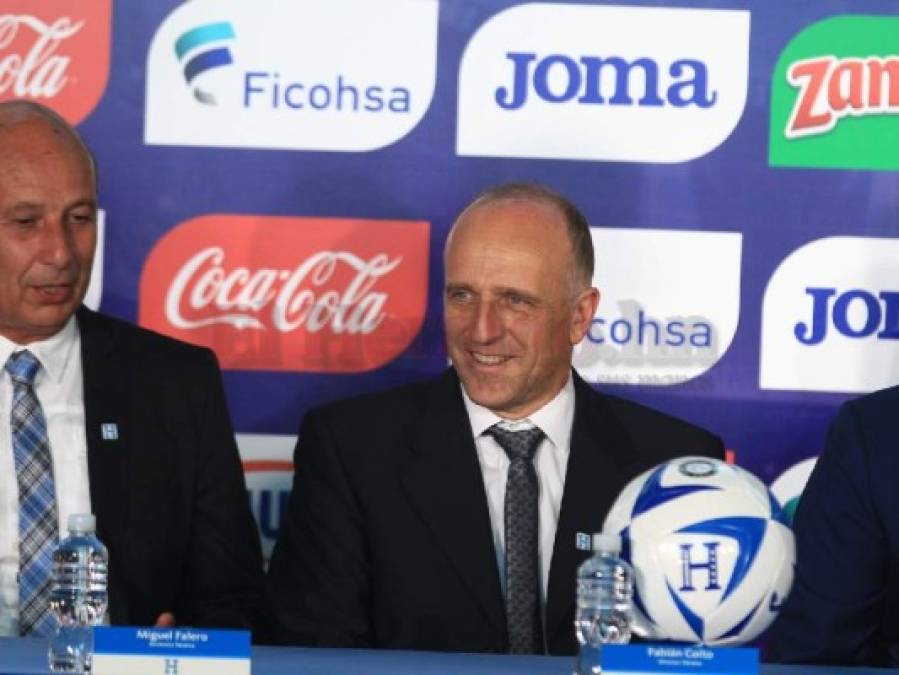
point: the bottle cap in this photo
(82, 522)
(607, 542)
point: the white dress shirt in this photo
(550, 461)
(59, 387)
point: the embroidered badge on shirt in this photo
(583, 541)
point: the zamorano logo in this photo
(201, 49)
(835, 96)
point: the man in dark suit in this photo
(844, 605)
(130, 425)
(398, 531)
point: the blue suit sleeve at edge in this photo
(833, 612)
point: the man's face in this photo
(47, 229)
(512, 314)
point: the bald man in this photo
(98, 416)
(443, 515)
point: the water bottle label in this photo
(170, 651)
(646, 659)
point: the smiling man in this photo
(443, 515)
(98, 416)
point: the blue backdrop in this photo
(415, 158)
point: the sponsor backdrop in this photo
(278, 179)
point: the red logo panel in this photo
(301, 294)
(55, 52)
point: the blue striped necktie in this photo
(38, 523)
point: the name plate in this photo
(170, 651)
(649, 659)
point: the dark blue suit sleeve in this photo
(318, 576)
(834, 610)
(222, 584)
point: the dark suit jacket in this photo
(387, 540)
(844, 606)
(168, 493)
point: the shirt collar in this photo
(554, 419)
(54, 353)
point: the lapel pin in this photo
(583, 542)
(109, 431)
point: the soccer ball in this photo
(713, 559)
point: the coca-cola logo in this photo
(305, 294)
(55, 52)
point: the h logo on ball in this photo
(710, 566)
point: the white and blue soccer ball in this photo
(712, 555)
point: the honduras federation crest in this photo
(712, 556)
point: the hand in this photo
(165, 620)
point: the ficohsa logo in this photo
(55, 52)
(669, 324)
(344, 75)
(830, 317)
(591, 82)
(835, 96)
(279, 293)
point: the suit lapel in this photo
(445, 486)
(105, 398)
(600, 453)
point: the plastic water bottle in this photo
(79, 595)
(604, 613)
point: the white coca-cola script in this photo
(292, 298)
(39, 71)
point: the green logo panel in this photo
(835, 96)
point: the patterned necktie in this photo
(37, 497)
(521, 526)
